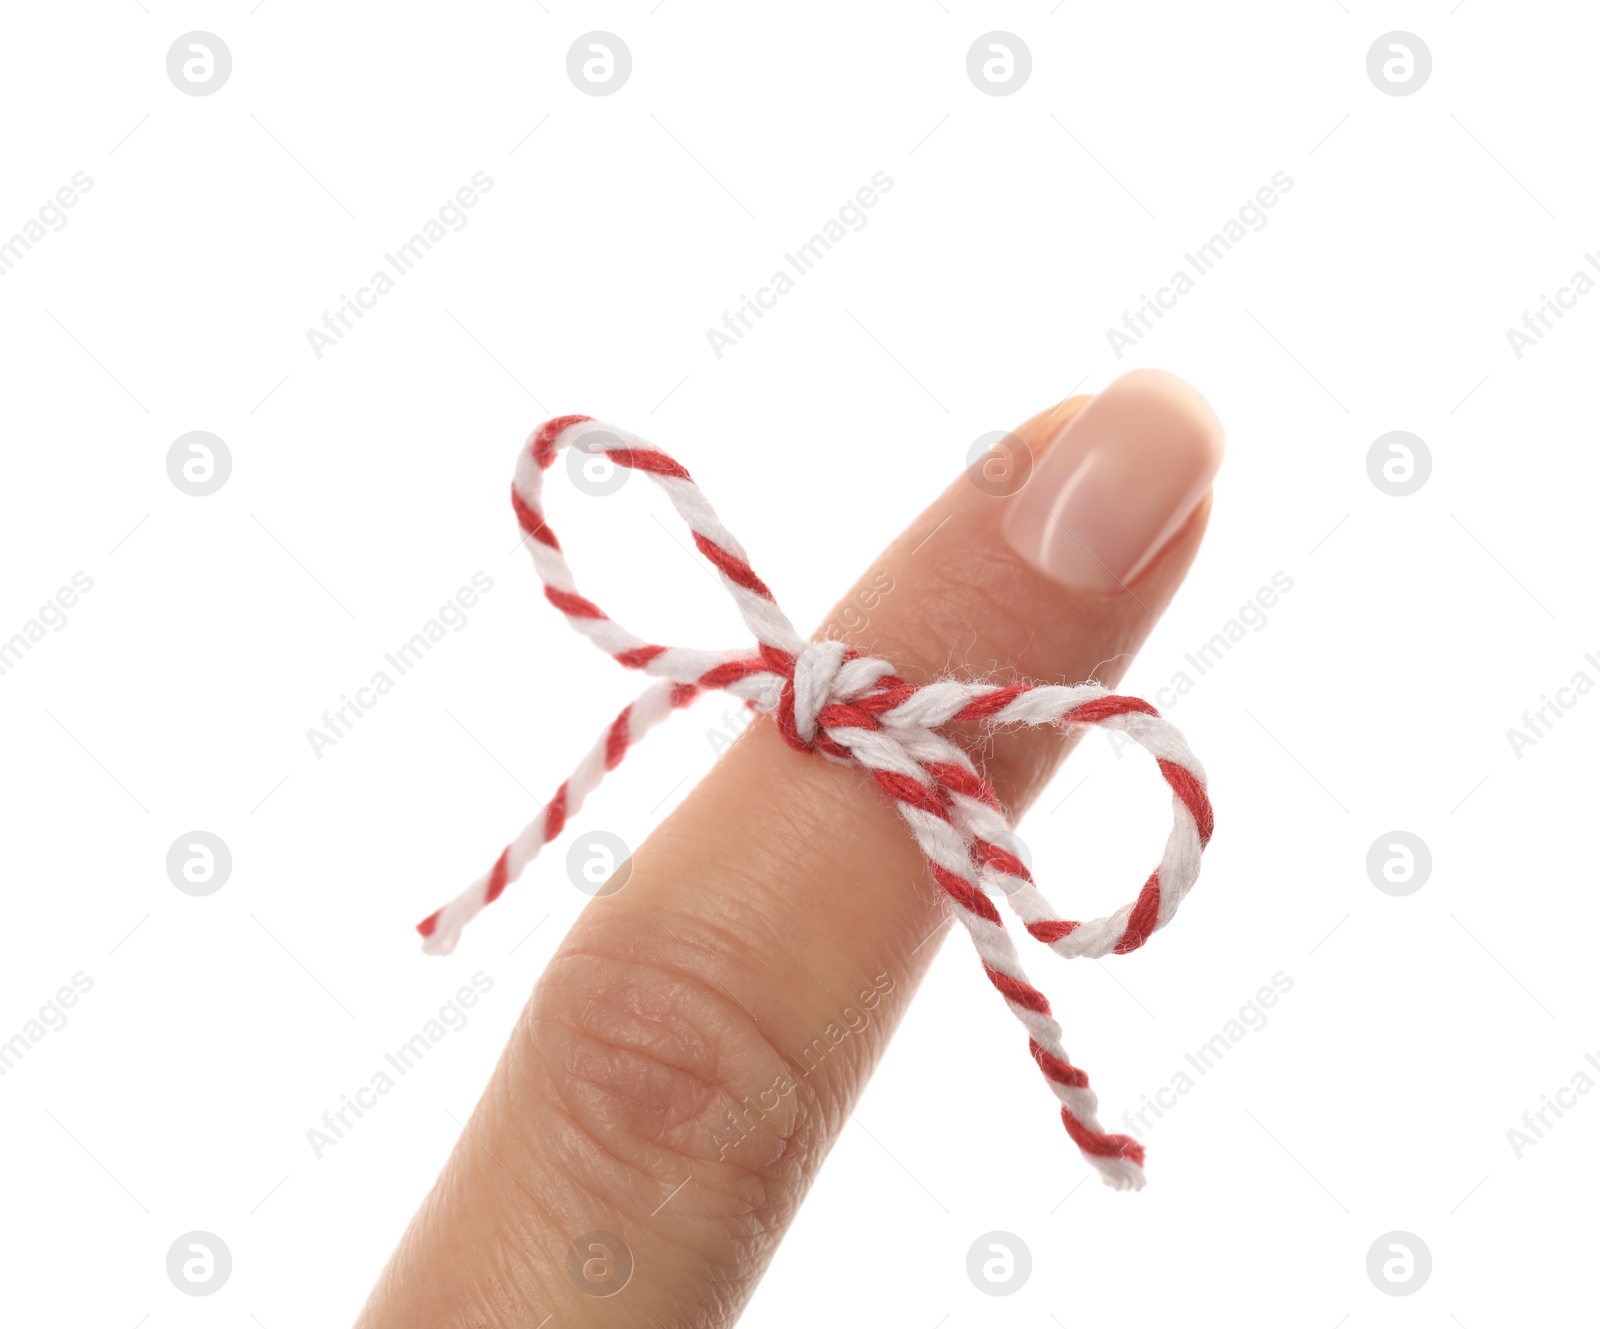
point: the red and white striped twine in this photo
(854, 709)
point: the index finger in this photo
(657, 1055)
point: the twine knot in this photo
(824, 678)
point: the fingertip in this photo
(1122, 475)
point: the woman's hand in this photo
(648, 1091)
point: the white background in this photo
(369, 484)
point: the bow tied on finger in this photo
(852, 708)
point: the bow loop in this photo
(766, 621)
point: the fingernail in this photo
(1117, 482)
